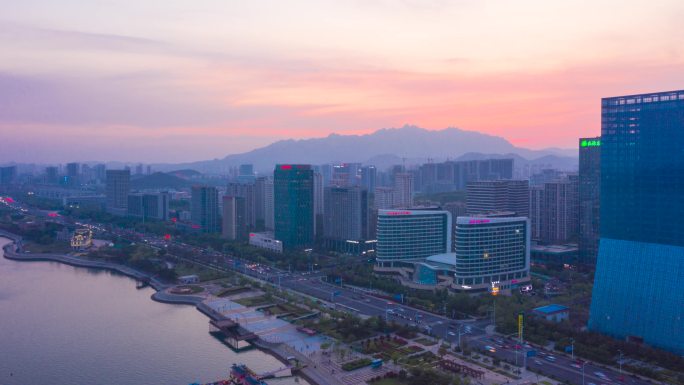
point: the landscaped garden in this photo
(356, 364)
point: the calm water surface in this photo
(65, 325)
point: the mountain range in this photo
(382, 148)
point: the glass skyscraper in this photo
(639, 282)
(293, 190)
(589, 198)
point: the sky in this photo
(183, 80)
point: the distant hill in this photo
(185, 174)
(158, 180)
(409, 144)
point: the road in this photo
(355, 301)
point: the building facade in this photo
(233, 224)
(405, 236)
(403, 190)
(554, 211)
(117, 187)
(205, 209)
(638, 289)
(347, 215)
(149, 205)
(498, 195)
(589, 198)
(492, 253)
(293, 186)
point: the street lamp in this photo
(620, 362)
(583, 365)
(572, 348)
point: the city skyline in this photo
(180, 82)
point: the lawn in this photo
(255, 301)
(356, 364)
(57, 247)
(426, 341)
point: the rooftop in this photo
(550, 309)
(446, 258)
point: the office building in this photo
(260, 203)
(246, 174)
(405, 236)
(638, 289)
(149, 205)
(589, 198)
(234, 227)
(498, 195)
(204, 208)
(347, 217)
(100, 171)
(248, 192)
(117, 188)
(266, 241)
(52, 175)
(269, 211)
(293, 187)
(369, 176)
(492, 253)
(383, 198)
(403, 190)
(554, 211)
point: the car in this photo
(600, 374)
(452, 334)
(577, 366)
(550, 358)
(538, 362)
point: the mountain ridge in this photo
(408, 142)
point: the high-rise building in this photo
(234, 225)
(73, 173)
(8, 175)
(319, 194)
(405, 236)
(204, 208)
(403, 190)
(248, 192)
(368, 178)
(117, 188)
(100, 172)
(492, 253)
(52, 175)
(246, 173)
(149, 205)
(488, 196)
(558, 212)
(347, 214)
(293, 186)
(589, 198)
(383, 198)
(536, 211)
(260, 203)
(638, 287)
(269, 211)
(139, 169)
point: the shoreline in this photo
(10, 253)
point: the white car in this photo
(452, 334)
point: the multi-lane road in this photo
(364, 304)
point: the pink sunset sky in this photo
(172, 81)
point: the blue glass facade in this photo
(639, 283)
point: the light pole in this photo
(583, 365)
(572, 348)
(620, 362)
